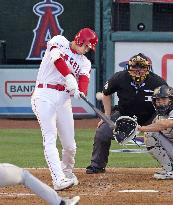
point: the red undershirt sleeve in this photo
(83, 83)
(62, 67)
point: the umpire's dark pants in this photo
(102, 143)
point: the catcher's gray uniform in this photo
(13, 175)
(160, 144)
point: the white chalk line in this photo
(13, 194)
(20, 194)
(138, 190)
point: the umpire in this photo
(134, 87)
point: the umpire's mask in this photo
(139, 67)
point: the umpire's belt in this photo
(56, 87)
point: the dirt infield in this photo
(118, 186)
(101, 189)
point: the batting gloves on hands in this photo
(77, 94)
(71, 83)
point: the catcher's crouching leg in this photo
(155, 148)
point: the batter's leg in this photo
(65, 125)
(46, 115)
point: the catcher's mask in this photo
(139, 67)
(88, 37)
(163, 106)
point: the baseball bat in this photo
(99, 113)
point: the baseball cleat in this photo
(73, 201)
(160, 171)
(63, 184)
(94, 170)
(73, 177)
(164, 175)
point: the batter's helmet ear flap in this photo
(88, 37)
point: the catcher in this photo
(159, 134)
(134, 87)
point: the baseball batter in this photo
(64, 72)
(13, 175)
(159, 134)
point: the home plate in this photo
(138, 190)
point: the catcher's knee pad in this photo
(151, 140)
(157, 151)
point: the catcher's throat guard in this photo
(126, 129)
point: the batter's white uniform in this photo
(53, 107)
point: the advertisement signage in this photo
(17, 86)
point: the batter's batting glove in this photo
(77, 94)
(71, 83)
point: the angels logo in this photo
(47, 27)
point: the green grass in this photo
(23, 147)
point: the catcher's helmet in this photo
(138, 67)
(163, 91)
(88, 37)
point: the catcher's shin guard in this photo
(155, 148)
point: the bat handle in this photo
(83, 97)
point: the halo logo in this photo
(47, 27)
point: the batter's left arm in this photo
(83, 83)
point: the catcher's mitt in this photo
(126, 128)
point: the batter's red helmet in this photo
(88, 37)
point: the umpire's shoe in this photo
(94, 170)
(73, 201)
